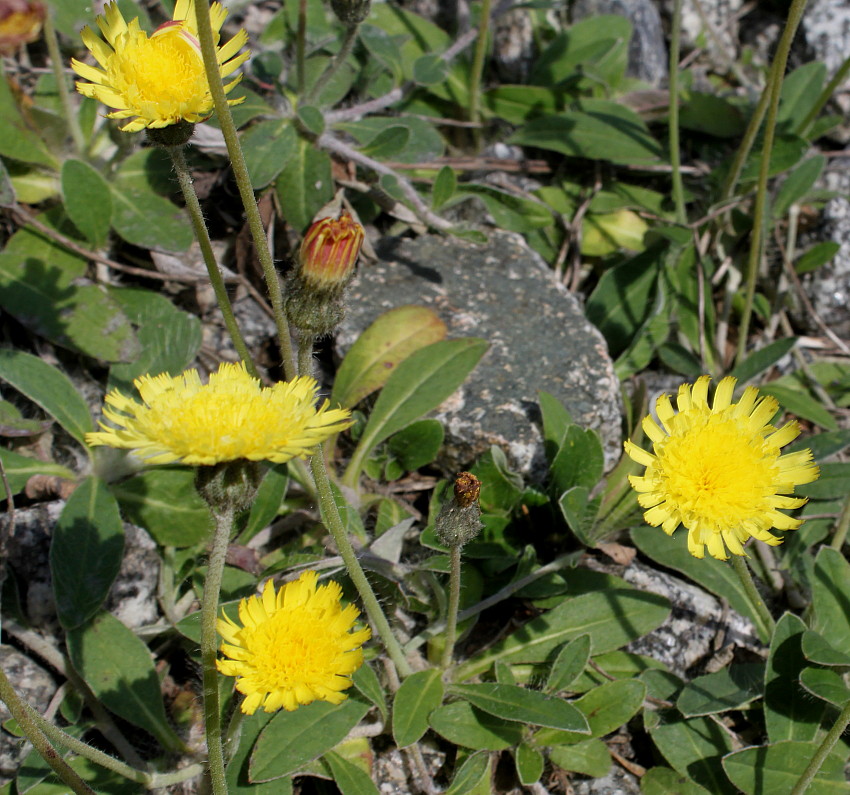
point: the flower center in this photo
(164, 71)
(717, 470)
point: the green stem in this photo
(338, 60)
(306, 341)
(774, 87)
(184, 177)
(333, 521)
(23, 716)
(149, 780)
(454, 601)
(243, 181)
(842, 526)
(822, 753)
(764, 621)
(56, 63)
(673, 117)
(209, 613)
(825, 95)
(478, 65)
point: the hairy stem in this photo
(673, 118)
(764, 621)
(454, 601)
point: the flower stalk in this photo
(18, 709)
(764, 620)
(56, 63)
(184, 177)
(673, 118)
(209, 646)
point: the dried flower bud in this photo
(20, 23)
(329, 251)
(459, 520)
(351, 12)
(328, 255)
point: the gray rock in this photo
(539, 340)
(826, 30)
(828, 287)
(36, 687)
(513, 45)
(713, 23)
(647, 52)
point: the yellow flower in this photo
(294, 647)
(158, 80)
(718, 470)
(232, 417)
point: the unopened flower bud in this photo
(351, 12)
(326, 264)
(231, 485)
(20, 23)
(459, 520)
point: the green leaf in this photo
(473, 776)
(267, 502)
(165, 502)
(388, 143)
(787, 151)
(598, 130)
(711, 115)
(827, 684)
(818, 649)
(759, 361)
(529, 764)
(731, 688)
(800, 91)
(48, 387)
(830, 598)
(509, 211)
(169, 337)
(43, 286)
(789, 712)
(579, 461)
(140, 214)
(418, 385)
(517, 104)
(714, 575)
(417, 444)
(292, 739)
(833, 483)
(236, 774)
(818, 255)
(775, 768)
(119, 669)
(797, 184)
(823, 445)
(366, 681)
(515, 703)
(17, 140)
(618, 304)
(391, 338)
(419, 695)
(462, 724)
(501, 487)
(268, 145)
(568, 665)
(312, 118)
(20, 468)
(445, 184)
(88, 201)
(86, 552)
(664, 781)
(612, 619)
(7, 189)
(606, 707)
(693, 747)
(429, 69)
(580, 513)
(424, 143)
(350, 779)
(590, 758)
(305, 185)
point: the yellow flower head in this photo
(718, 470)
(159, 80)
(293, 647)
(232, 417)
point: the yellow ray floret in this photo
(158, 80)
(717, 469)
(293, 646)
(181, 420)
